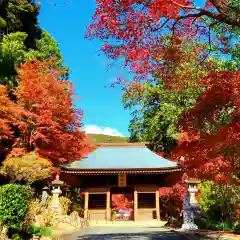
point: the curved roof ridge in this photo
(121, 144)
(121, 157)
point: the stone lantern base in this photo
(189, 227)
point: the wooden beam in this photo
(157, 206)
(86, 199)
(108, 205)
(100, 190)
(135, 204)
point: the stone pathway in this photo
(122, 233)
(134, 232)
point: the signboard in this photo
(122, 180)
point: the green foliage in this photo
(14, 203)
(3, 23)
(219, 202)
(27, 168)
(157, 109)
(207, 199)
(221, 226)
(157, 117)
(47, 48)
(17, 237)
(14, 52)
(21, 16)
(39, 231)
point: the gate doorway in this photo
(122, 204)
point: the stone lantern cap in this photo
(45, 188)
(57, 182)
(192, 181)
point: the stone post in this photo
(190, 203)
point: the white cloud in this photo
(93, 129)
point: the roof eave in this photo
(119, 171)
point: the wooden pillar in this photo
(135, 204)
(157, 206)
(108, 205)
(86, 205)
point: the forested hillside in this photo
(100, 138)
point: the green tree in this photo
(13, 52)
(174, 89)
(157, 115)
(23, 39)
(21, 16)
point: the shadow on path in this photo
(152, 235)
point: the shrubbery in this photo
(219, 201)
(171, 200)
(40, 231)
(14, 204)
(27, 168)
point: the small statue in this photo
(45, 196)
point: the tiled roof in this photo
(121, 156)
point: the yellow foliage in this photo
(39, 215)
(65, 203)
(46, 218)
(28, 168)
(34, 209)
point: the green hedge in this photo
(14, 202)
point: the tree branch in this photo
(163, 24)
(186, 7)
(220, 6)
(222, 9)
(195, 15)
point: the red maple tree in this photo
(47, 120)
(210, 139)
(147, 34)
(8, 113)
(136, 29)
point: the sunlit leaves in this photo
(26, 168)
(43, 113)
(13, 52)
(8, 114)
(49, 122)
(136, 30)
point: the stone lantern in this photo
(55, 203)
(190, 203)
(192, 189)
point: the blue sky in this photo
(67, 23)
